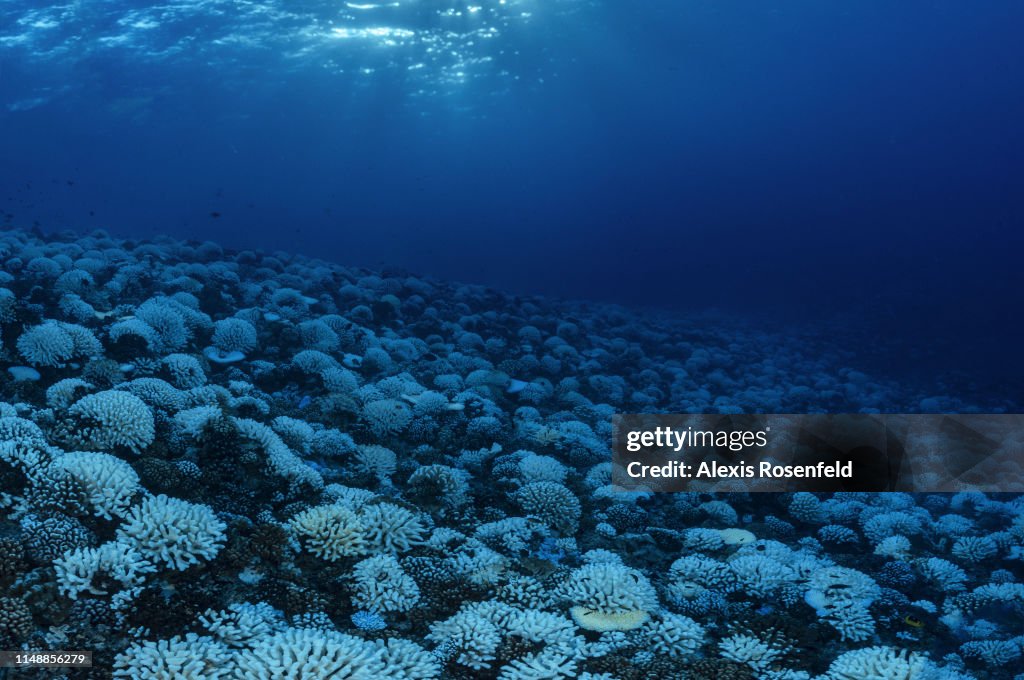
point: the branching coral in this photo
(173, 532)
(112, 419)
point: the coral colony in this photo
(247, 465)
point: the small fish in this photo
(913, 621)
(515, 386)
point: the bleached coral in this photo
(761, 575)
(552, 503)
(296, 434)
(609, 596)
(185, 370)
(471, 633)
(881, 663)
(881, 526)
(191, 657)
(173, 532)
(375, 460)
(442, 485)
(54, 343)
(893, 546)
(511, 535)
(112, 419)
(750, 651)
(63, 393)
(387, 416)
(548, 664)
(302, 653)
(380, 585)
(313, 361)
(158, 394)
(134, 330)
(699, 539)
(330, 531)
(391, 528)
(108, 482)
(479, 564)
(406, 660)
(674, 635)
(993, 653)
(234, 335)
(281, 460)
(852, 620)
(477, 630)
(241, 623)
(534, 468)
(943, 574)
(93, 570)
(194, 421)
(973, 549)
(167, 322)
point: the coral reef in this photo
(253, 465)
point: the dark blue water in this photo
(852, 167)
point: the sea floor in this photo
(220, 464)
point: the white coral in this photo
(387, 416)
(382, 586)
(761, 575)
(302, 653)
(674, 635)
(609, 589)
(54, 343)
(534, 468)
(878, 663)
(280, 458)
(173, 531)
(184, 658)
(376, 460)
(943, 574)
(242, 623)
(548, 664)
(77, 570)
(391, 528)
(330, 531)
(553, 503)
(749, 650)
(63, 393)
(109, 482)
(113, 418)
(406, 660)
(234, 335)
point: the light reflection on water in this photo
(436, 44)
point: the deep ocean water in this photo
(238, 464)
